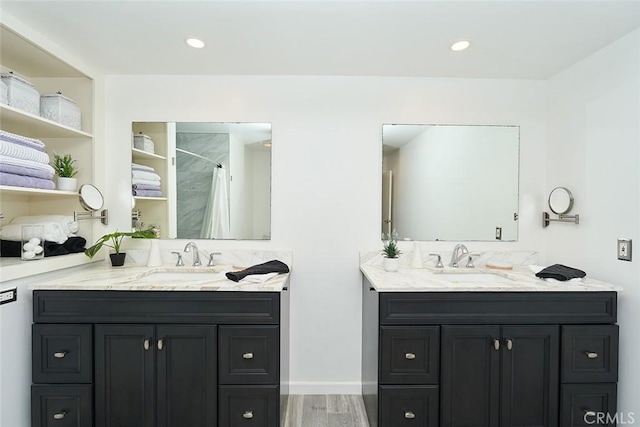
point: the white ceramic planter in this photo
(390, 264)
(67, 184)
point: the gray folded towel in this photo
(560, 272)
(273, 266)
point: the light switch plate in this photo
(624, 249)
(8, 295)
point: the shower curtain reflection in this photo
(215, 223)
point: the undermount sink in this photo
(474, 277)
(182, 276)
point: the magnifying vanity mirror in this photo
(560, 202)
(91, 200)
(450, 182)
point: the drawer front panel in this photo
(249, 354)
(409, 406)
(156, 307)
(588, 405)
(249, 406)
(61, 406)
(551, 308)
(62, 353)
(590, 353)
(410, 355)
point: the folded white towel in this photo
(18, 151)
(52, 232)
(69, 226)
(145, 181)
(137, 166)
(8, 160)
(257, 278)
(152, 176)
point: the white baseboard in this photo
(325, 388)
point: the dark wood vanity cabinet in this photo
(159, 359)
(490, 359)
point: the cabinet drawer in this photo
(61, 406)
(62, 353)
(590, 354)
(410, 406)
(248, 406)
(249, 354)
(410, 355)
(588, 404)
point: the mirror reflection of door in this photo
(387, 202)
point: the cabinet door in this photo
(530, 376)
(186, 368)
(124, 388)
(470, 376)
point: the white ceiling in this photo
(510, 38)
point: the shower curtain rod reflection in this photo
(218, 165)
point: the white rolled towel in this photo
(52, 231)
(69, 226)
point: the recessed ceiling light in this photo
(461, 45)
(198, 44)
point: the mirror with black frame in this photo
(450, 182)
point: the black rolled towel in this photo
(273, 266)
(75, 244)
(560, 272)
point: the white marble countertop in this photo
(478, 279)
(103, 277)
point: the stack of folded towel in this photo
(24, 162)
(58, 233)
(145, 181)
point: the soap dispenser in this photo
(416, 256)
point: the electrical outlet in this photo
(498, 233)
(8, 295)
(624, 249)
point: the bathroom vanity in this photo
(144, 352)
(440, 349)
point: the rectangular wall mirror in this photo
(450, 182)
(203, 180)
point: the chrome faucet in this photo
(459, 252)
(196, 253)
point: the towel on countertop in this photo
(52, 231)
(25, 181)
(560, 272)
(257, 278)
(6, 160)
(66, 222)
(136, 181)
(25, 171)
(147, 193)
(17, 151)
(22, 140)
(10, 248)
(273, 266)
(151, 176)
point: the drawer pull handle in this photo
(591, 354)
(60, 354)
(509, 344)
(409, 415)
(147, 344)
(496, 344)
(247, 356)
(60, 415)
(160, 344)
(410, 356)
(248, 415)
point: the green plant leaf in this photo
(116, 240)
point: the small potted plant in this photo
(114, 241)
(390, 252)
(65, 168)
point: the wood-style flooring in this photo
(325, 411)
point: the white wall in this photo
(326, 179)
(594, 149)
